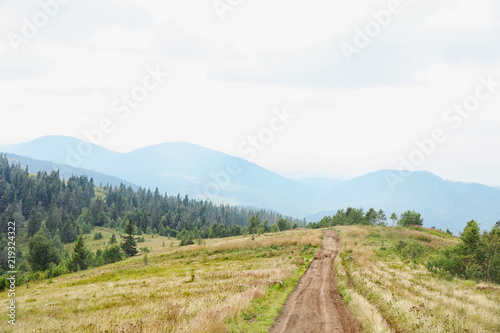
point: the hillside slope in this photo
(198, 288)
(381, 273)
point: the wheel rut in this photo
(315, 304)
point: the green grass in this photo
(197, 288)
(261, 314)
(389, 288)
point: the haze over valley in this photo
(202, 173)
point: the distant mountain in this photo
(202, 174)
(66, 171)
(65, 150)
(444, 204)
(182, 168)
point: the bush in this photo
(112, 254)
(476, 257)
(97, 235)
(410, 250)
(4, 283)
(55, 271)
(186, 241)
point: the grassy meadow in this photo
(389, 292)
(239, 284)
(234, 284)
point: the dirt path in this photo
(315, 305)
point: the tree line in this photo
(354, 216)
(50, 211)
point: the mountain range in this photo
(202, 173)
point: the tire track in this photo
(315, 304)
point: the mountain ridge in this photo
(203, 173)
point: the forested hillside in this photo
(65, 209)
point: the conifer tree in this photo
(129, 245)
(78, 260)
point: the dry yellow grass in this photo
(367, 314)
(196, 288)
(407, 295)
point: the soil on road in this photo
(315, 304)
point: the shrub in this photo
(112, 254)
(476, 257)
(4, 283)
(410, 250)
(55, 271)
(186, 241)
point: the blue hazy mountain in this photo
(442, 203)
(65, 150)
(66, 171)
(182, 168)
(202, 173)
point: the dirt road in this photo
(315, 305)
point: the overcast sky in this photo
(232, 68)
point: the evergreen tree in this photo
(283, 224)
(41, 252)
(381, 217)
(78, 260)
(113, 239)
(394, 218)
(370, 217)
(112, 254)
(34, 221)
(129, 245)
(45, 230)
(254, 224)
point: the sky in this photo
(323, 88)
